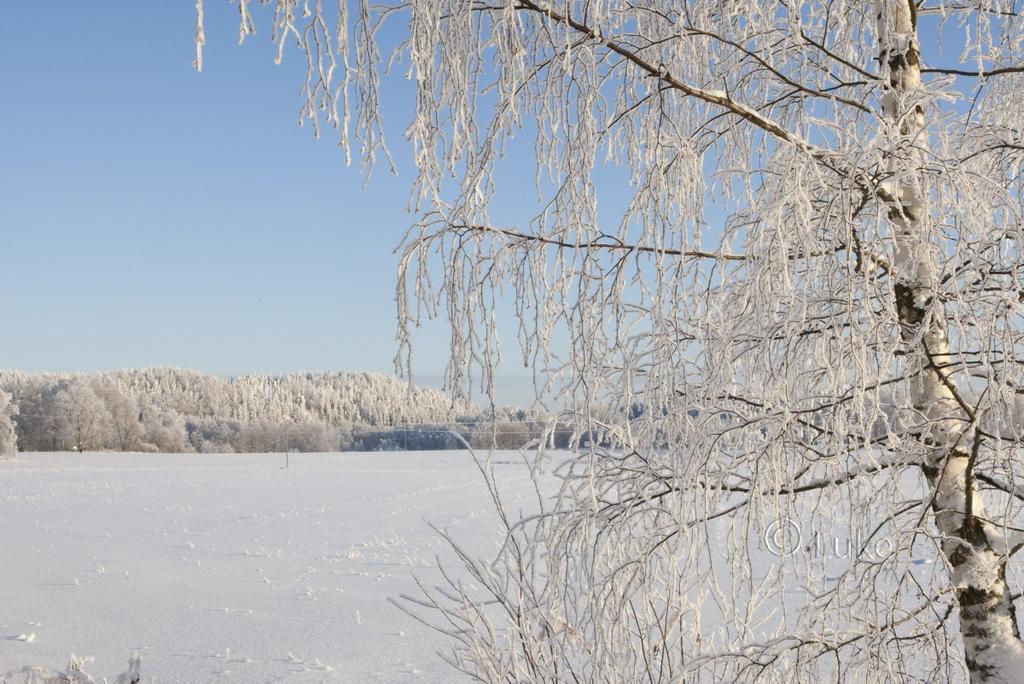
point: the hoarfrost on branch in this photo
(804, 313)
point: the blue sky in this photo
(155, 216)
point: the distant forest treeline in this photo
(172, 410)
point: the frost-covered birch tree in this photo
(8, 437)
(80, 417)
(775, 259)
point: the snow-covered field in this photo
(230, 568)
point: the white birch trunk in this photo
(974, 549)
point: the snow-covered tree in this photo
(780, 241)
(163, 431)
(161, 409)
(8, 436)
(81, 418)
(125, 427)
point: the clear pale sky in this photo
(153, 216)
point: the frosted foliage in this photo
(161, 409)
(8, 437)
(81, 415)
(775, 261)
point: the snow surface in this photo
(230, 568)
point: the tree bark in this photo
(975, 549)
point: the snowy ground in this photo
(228, 568)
